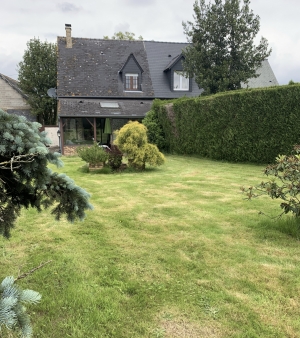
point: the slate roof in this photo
(91, 68)
(92, 108)
(92, 71)
(266, 79)
(160, 56)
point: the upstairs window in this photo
(181, 81)
(131, 81)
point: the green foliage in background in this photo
(12, 310)
(37, 74)
(25, 179)
(132, 141)
(123, 36)
(284, 185)
(155, 132)
(92, 154)
(222, 53)
(241, 126)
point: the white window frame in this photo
(132, 75)
(182, 83)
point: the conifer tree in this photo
(222, 53)
(37, 74)
(25, 179)
(12, 310)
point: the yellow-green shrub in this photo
(132, 141)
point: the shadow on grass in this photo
(106, 170)
(287, 225)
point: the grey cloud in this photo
(68, 7)
(122, 27)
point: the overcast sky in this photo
(159, 20)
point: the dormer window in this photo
(131, 75)
(178, 79)
(181, 81)
(131, 81)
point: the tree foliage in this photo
(132, 141)
(37, 74)
(155, 132)
(222, 54)
(12, 310)
(123, 36)
(284, 185)
(25, 179)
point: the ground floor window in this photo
(82, 130)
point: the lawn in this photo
(169, 252)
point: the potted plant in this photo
(94, 155)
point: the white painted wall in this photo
(52, 135)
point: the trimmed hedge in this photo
(241, 126)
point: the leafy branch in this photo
(285, 184)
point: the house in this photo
(102, 84)
(12, 99)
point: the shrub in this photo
(155, 132)
(285, 185)
(115, 158)
(253, 125)
(92, 155)
(132, 141)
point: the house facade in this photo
(102, 84)
(12, 99)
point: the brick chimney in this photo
(68, 35)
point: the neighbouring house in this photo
(102, 84)
(12, 99)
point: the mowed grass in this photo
(169, 252)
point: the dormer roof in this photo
(173, 62)
(131, 57)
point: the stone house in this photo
(12, 99)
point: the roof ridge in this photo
(99, 39)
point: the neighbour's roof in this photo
(14, 84)
(266, 79)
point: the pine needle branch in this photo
(32, 271)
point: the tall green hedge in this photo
(245, 126)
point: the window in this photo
(131, 81)
(181, 81)
(109, 105)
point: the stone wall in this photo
(70, 150)
(10, 98)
